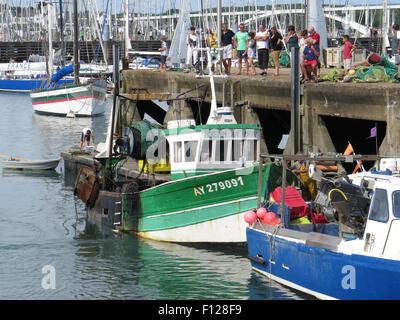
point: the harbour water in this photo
(42, 224)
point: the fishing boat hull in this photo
(289, 258)
(24, 85)
(200, 209)
(80, 100)
(50, 164)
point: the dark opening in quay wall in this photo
(357, 132)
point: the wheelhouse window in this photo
(222, 150)
(206, 151)
(379, 209)
(396, 204)
(190, 151)
(178, 152)
(237, 150)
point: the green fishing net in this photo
(383, 71)
(284, 60)
(371, 74)
(334, 75)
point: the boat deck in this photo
(74, 160)
(309, 238)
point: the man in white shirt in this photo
(262, 49)
(192, 48)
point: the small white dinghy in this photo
(22, 164)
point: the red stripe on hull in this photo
(64, 100)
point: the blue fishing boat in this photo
(354, 254)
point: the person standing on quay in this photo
(302, 44)
(193, 44)
(315, 40)
(251, 52)
(212, 44)
(262, 49)
(347, 52)
(396, 49)
(292, 40)
(241, 39)
(227, 47)
(276, 46)
(164, 55)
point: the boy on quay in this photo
(347, 52)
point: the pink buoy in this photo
(250, 217)
(271, 218)
(276, 221)
(261, 212)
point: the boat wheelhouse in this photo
(196, 150)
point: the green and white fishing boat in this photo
(211, 185)
(214, 178)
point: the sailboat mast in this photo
(384, 27)
(127, 38)
(219, 25)
(76, 57)
(62, 34)
(50, 34)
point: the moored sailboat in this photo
(75, 99)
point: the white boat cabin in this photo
(382, 232)
(196, 150)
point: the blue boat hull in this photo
(24, 85)
(323, 273)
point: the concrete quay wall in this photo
(330, 112)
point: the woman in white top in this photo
(302, 44)
(262, 38)
(192, 48)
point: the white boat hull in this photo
(50, 164)
(231, 229)
(80, 100)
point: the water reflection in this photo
(145, 269)
(56, 134)
(39, 174)
(42, 223)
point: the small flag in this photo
(374, 132)
(356, 168)
(359, 166)
(349, 150)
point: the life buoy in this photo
(314, 172)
